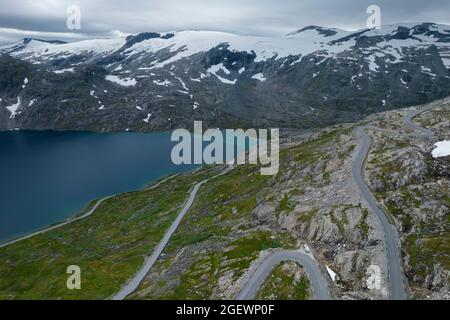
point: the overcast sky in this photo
(47, 18)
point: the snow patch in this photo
(64, 70)
(220, 67)
(428, 71)
(13, 108)
(372, 64)
(162, 83)
(125, 82)
(33, 101)
(147, 120)
(184, 85)
(331, 273)
(25, 81)
(442, 149)
(259, 76)
(298, 60)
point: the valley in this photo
(240, 218)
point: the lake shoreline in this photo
(89, 209)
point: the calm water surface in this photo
(46, 177)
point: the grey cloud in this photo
(255, 17)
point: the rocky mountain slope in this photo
(150, 81)
(313, 201)
(414, 188)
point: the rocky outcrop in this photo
(413, 188)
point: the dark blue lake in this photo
(46, 177)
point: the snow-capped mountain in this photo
(150, 81)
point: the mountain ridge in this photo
(313, 77)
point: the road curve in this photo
(318, 283)
(394, 264)
(134, 283)
(427, 133)
(85, 215)
(393, 257)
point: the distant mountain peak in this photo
(327, 32)
(136, 38)
(28, 40)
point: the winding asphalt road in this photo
(394, 264)
(426, 133)
(319, 284)
(393, 258)
(134, 283)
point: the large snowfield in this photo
(187, 43)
